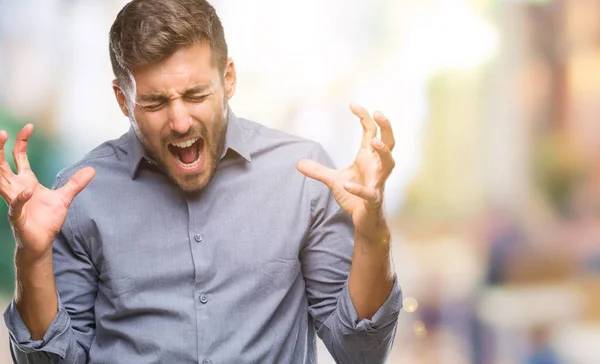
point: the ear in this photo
(121, 99)
(229, 79)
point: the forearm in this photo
(35, 295)
(371, 275)
(38, 319)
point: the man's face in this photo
(180, 113)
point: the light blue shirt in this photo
(246, 271)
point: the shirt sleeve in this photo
(70, 334)
(326, 260)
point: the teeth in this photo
(185, 144)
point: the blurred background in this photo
(495, 200)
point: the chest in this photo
(154, 235)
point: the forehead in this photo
(187, 67)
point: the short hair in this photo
(149, 31)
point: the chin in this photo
(192, 187)
(193, 182)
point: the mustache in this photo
(198, 130)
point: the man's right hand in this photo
(36, 213)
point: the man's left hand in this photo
(359, 188)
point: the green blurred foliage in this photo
(557, 169)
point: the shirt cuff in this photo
(386, 316)
(56, 339)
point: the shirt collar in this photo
(234, 140)
(136, 152)
(234, 137)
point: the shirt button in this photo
(198, 238)
(206, 361)
(203, 299)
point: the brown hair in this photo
(148, 31)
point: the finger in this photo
(317, 171)
(385, 127)
(15, 210)
(76, 184)
(20, 149)
(373, 197)
(385, 156)
(369, 127)
(5, 170)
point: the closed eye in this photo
(196, 98)
(153, 107)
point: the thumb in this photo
(317, 171)
(15, 210)
(76, 184)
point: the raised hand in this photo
(36, 213)
(359, 188)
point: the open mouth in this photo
(187, 154)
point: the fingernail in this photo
(379, 114)
(378, 142)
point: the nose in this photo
(179, 116)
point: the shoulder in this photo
(108, 156)
(266, 141)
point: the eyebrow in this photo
(161, 97)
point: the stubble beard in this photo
(216, 144)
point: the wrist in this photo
(372, 228)
(26, 259)
(379, 237)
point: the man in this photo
(193, 237)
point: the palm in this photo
(361, 172)
(347, 201)
(358, 188)
(36, 212)
(42, 216)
